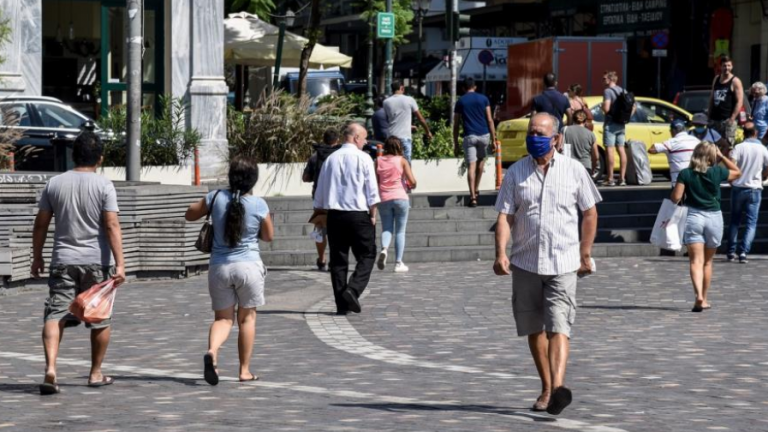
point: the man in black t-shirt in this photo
(726, 101)
(552, 101)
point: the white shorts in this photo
(240, 283)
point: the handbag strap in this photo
(210, 209)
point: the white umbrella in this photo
(250, 41)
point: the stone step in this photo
(454, 254)
(412, 240)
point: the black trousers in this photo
(350, 229)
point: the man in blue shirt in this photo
(473, 111)
(552, 101)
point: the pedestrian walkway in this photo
(434, 350)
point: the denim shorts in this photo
(613, 134)
(704, 226)
(476, 147)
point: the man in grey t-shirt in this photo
(400, 109)
(583, 142)
(86, 236)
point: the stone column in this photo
(11, 80)
(31, 24)
(207, 87)
(23, 68)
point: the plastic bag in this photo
(95, 304)
(669, 227)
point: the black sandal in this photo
(473, 202)
(209, 371)
(561, 398)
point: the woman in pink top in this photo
(394, 173)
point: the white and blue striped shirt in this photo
(545, 231)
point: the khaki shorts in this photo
(543, 303)
(65, 283)
(240, 283)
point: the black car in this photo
(48, 125)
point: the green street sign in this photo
(385, 25)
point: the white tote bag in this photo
(670, 225)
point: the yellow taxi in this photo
(649, 124)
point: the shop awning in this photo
(253, 42)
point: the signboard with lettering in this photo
(626, 16)
(385, 25)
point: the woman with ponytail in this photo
(236, 273)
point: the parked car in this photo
(695, 99)
(47, 124)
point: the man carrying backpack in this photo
(311, 173)
(618, 106)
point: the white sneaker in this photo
(401, 268)
(382, 261)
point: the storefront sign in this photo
(625, 16)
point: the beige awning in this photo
(250, 41)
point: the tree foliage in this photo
(261, 8)
(403, 17)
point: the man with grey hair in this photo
(760, 108)
(539, 204)
(348, 191)
(678, 149)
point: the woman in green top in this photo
(698, 186)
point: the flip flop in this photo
(561, 398)
(253, 378)
(105, 381)
(697, 308)
(47, 389)
(209, 371)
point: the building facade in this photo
(76, 51)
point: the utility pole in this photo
(133, 23)
(388, 59)
(452, 27)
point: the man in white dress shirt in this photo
(539, 202)
(347, 189)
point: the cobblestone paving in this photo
(434, 350)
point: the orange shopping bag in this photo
(95, 304)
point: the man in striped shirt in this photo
(539, 204)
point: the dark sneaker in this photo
(743, 259)
(321, 266)
(560, 399)
(730, 257)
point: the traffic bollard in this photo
(197, 167)
(498, 164)
(12, 161)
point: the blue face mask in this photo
(538, 146)
(700, 129)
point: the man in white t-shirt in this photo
(751, 157)
(679, 149)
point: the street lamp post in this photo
(369, 95)
(285, 20)
(420, 7)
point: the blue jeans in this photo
(407, 148)
(394, 217)
(744, 202)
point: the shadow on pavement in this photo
(654, 308)
(281, 312)
(154, 378)
(484, 409)
(23, 388)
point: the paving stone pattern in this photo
(434, 350)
